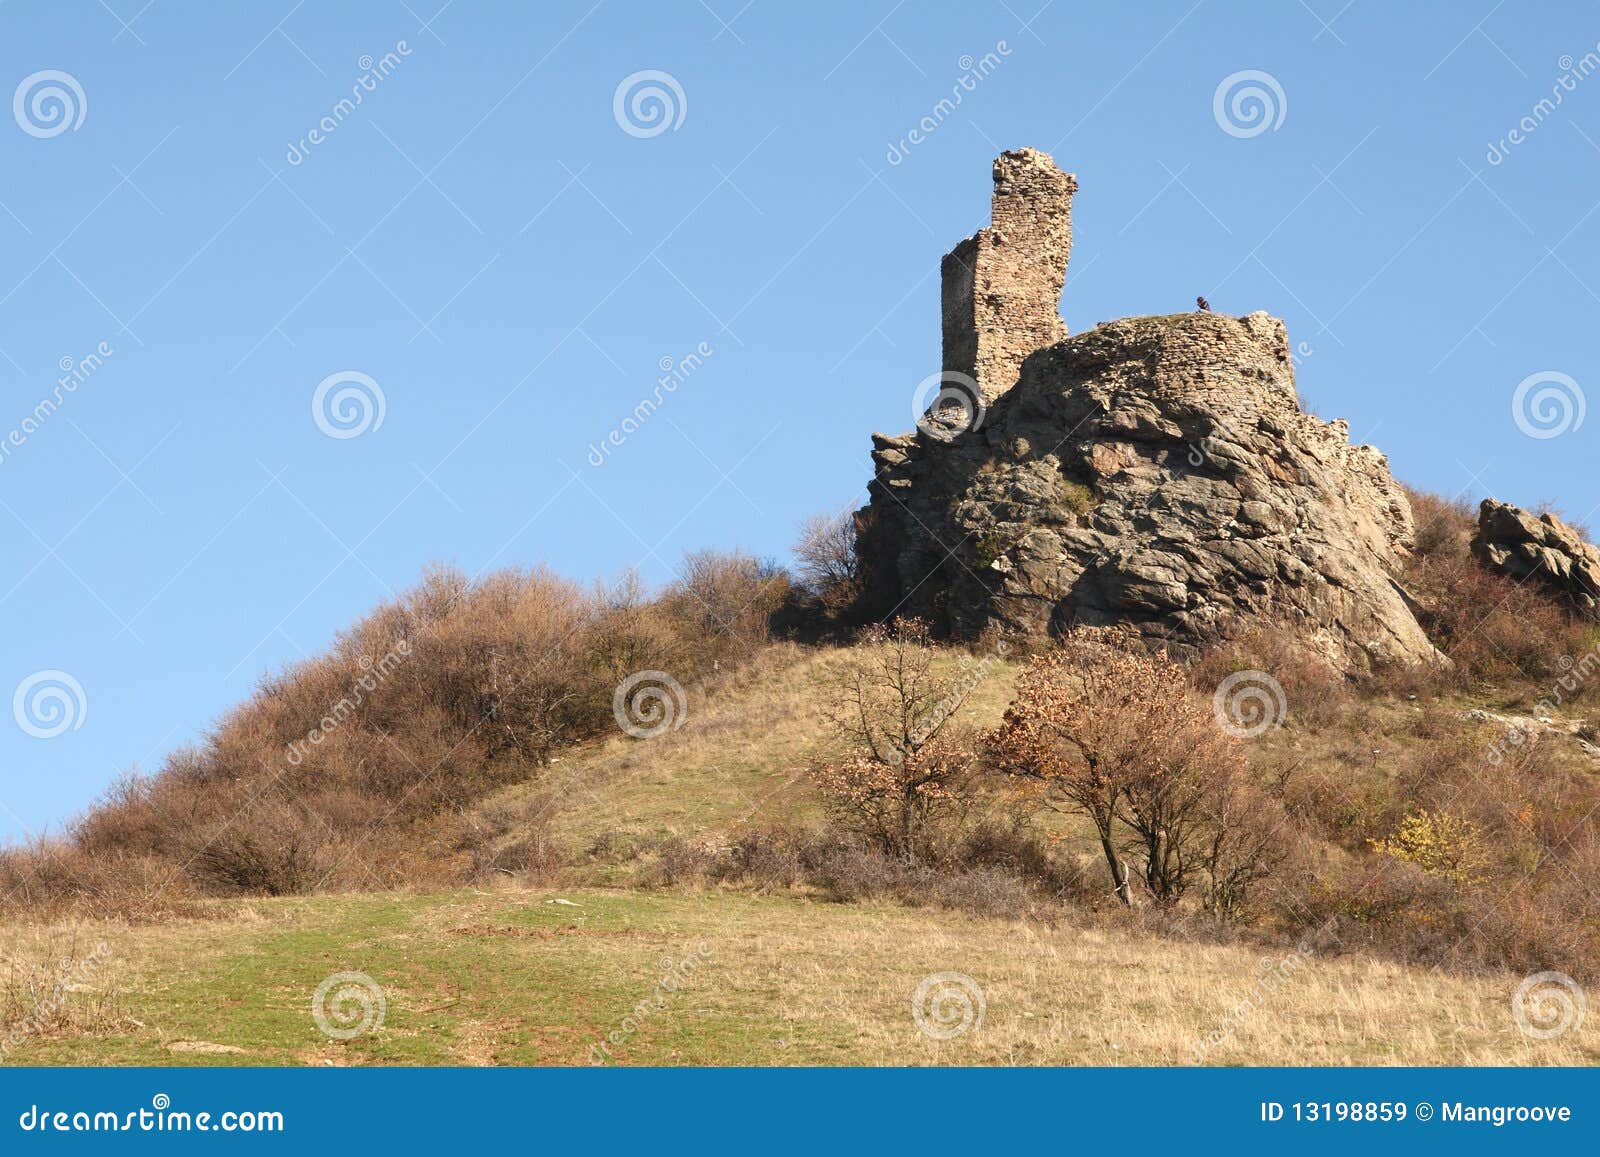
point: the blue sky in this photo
(485, 243)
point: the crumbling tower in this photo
(1001, 287)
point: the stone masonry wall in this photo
(1001, 287)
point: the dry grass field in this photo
(568, 969)
(534, 977)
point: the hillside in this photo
(1137, 701)
(536, 965)
(521, 976)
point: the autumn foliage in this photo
(1116, 735)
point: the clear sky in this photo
(508, 259)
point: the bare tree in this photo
(901, 778)
(825, 554)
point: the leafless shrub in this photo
(903, 783)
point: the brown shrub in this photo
(1314, 693)
(1496, 631)
(1119, 737)
(903, 785)
(422, 708)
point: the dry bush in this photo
(721, 606)
(56, 991)
(1316, 694)
(827, 572)
(1462, 851)
(421, 709)
(843, 869)
(631, 631)
(902, 785)
(1444, 526)
(1119, 737)
(1496, 631)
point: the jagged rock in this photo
(1154, 471)
(1541, 548)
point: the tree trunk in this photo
(1119, 875)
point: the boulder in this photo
(1157, 472)
(1541, 549)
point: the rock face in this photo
(1154, 471)
(1539, 548)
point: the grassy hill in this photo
(518, 976)
(541, 967)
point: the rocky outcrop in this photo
(1154, 471)
(1541, 549)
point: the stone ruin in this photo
(1156, 472)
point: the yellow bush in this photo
(1439, 843)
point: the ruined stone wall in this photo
(1001, 288)
(1156, 472)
